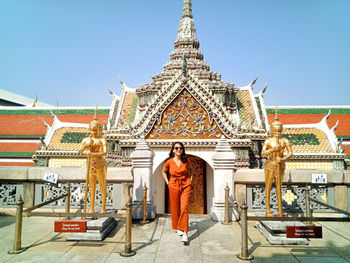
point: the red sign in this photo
(304, 231)
(70, 226)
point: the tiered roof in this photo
(123, 115)
(23, 129)
(338, 118)
(233, 110)
(187, 101)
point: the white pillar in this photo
(224, 165)
(142, 164)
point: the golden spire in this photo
(276, 124)
(276, 114)
(95, 118)
(95, 124)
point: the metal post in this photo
(227, 206)
(127, 251)
(307, 204)
(17, 243)
(144, 206)
(68, 201)
(244, 234)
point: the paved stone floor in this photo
(157, 242)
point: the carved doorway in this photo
(198, 198)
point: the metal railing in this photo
(128, 252)
(17, 243)
(227, 206)
(308, 219)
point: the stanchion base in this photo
(125, 254)
(229, 223)
(145, 222)
(245, 258)
(11, 251)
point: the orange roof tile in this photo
(17, 164)
(18, 147)
(343, 128)
(33, 125)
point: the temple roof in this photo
(316, 140)
(8, 98)
(67, 138)
(186, 52)
(122, 116)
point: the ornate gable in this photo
(154, 112)
(185, 118)
(124, 115)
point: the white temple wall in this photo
(158, 186)
(210, 186)
(162, 153)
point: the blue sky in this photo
(71, 51)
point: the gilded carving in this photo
(185, 118)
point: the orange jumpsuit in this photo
(180, 188)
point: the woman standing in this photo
(180, 188)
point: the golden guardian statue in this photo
(275, 148)
(96, 150)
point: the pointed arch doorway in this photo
(198, 198)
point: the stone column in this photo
(142, 162)
(224, 165)
(341, 197)
(28, 194)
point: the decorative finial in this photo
(35, 101)
(95, 117)
(186, 32)
(121, 80)
(276, 124)
(187, 9)
(264, 89)
(254, 81)
(95, 125)
(276, 114)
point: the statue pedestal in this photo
(96, 230)
(275, 232)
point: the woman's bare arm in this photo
(165, 175)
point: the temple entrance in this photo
(198, 199)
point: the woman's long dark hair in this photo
(183, 155)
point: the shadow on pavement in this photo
(151, 240)
(200, 227)
(7, 220)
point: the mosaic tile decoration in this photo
(214, 109)
(67, 162)
(309, 164)
(128, 109)
(67, 139)
(258, 103)
(185, 118)
(308, 140)
(245, 108)
(289, 197)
